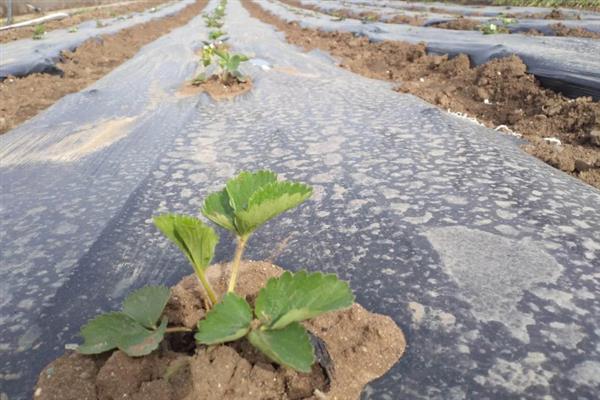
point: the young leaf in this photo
(227, 321)
(217, 208)
(142, 342)
(112, 330)
(300, 296)
(244, 185)
(146, 305)
(289, 346)
(195, 239)
(269, 201)
(103, 332)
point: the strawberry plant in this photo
(280, 307)
(273, 326)
(492, 29)
(39, 32)
(227, 63)
(215, 35)
(247, 202)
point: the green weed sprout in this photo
(73, 29)
(279, 308)
(247, 202)
(39, 32)
(196, 240)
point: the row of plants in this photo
(218, 62)
(272, 325)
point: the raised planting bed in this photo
(500, 93)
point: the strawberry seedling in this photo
(39, 32)
(273, 327)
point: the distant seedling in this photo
(492, 29)
(39, 32)
(228, 64)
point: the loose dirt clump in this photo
(216, 89)
(405, 19)
(562, 30)
(459, 24)
(359, 347)
(500, 92)
(22, 98)
(77, 18)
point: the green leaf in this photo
(227, 321)
(269, 201)
(234, 62)
(138, 343)
(289, 346)
(195, 239)
(103, 332)
(244, 185)
(146, 305)
(300, 296)
(217, 208)
(112, 330)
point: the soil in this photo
(364, 15)
(459, 24)
(77, 18)
(562, 30)
(217, 90)
(360, 346)
(497, 93)
(23, 98)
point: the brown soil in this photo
(23, 98)
(562, 30)
(459, 24)
(77, 18)
(499, 92)
(361, 345)
(364, 15)
(216, 89)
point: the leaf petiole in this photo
(239, 251)
(176, 329)
(207, 286)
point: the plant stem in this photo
(209, 290)
(239, 250)
(177, 329)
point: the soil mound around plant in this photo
(562, 30)
(498, 93)
(77, 18)
(23, 98)
(359, 347)
(459, 24)
(216, 89)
